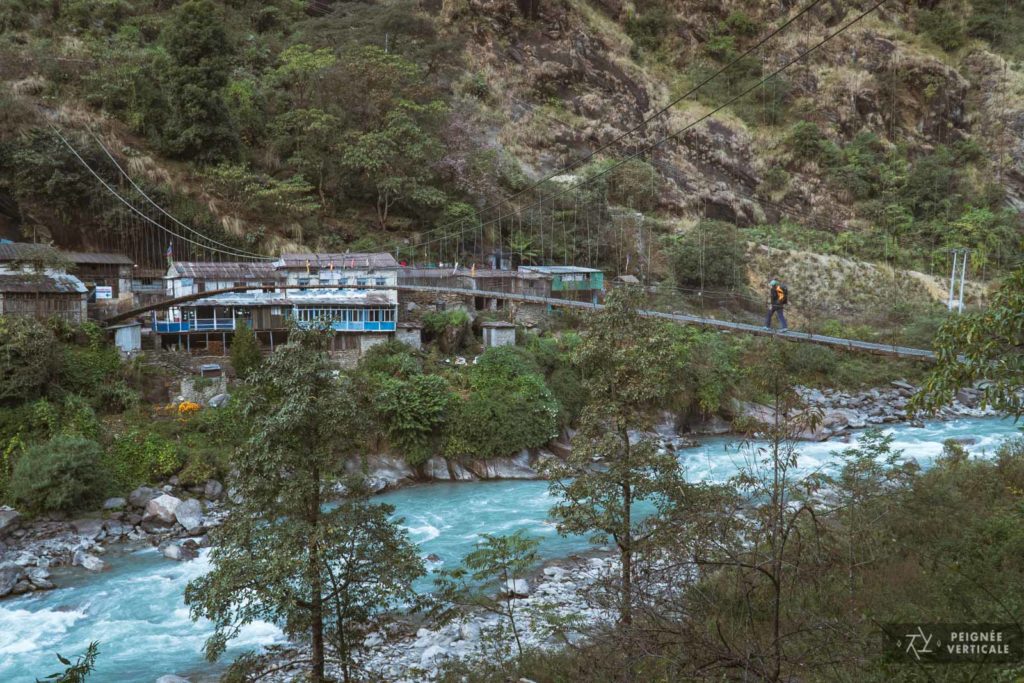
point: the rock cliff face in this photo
(567, 77)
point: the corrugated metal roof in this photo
(27, 251)
(42, 284)
(351, 260)
(99, 258)
(300, 298)
(226, 270)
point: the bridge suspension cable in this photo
(135, 210)
(161, 209)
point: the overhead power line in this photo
(569, 188)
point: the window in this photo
(361, 281)
(381, 282)
(303, 282)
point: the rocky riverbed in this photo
(405, 653)
(175, 518)
(172, 518)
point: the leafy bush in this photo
(712, 254)
(508, 408)
(140, 457)
(412, 412)
(28, 358)
(62, 475)
(449, 328)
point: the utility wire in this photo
(653, 117)
(160, 208)
(701, 119)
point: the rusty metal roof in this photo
(96, 258)
(27, 251)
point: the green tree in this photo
(628, 367)
(60, 475)
(245, 351)
(282, 555)
(489, 578)
(982, 347)
(713, 254)
(198, 124)
(80, 670)
(395, 160)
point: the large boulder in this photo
(163, 508)
(88, 561)
(517, 587)
(171, 678)
(114, 503)
(188, 550)
(213, 490)
(10, 574)
(88, 528)
(10, 520)
(142, 495)
(189, 514)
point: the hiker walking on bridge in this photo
(778, 297)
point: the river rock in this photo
(142, 495)
(114, 503)
(516, 467)
(115, 528)
(213, 490)
(436, 468)
(88, 528)
(179, 551)
(517, 587)
(373, 640)
(40, 577)
(189, 514)
(10, 520)
(432, 655)
(88, 561)
(10, 574)
(162, 508)
(469, 630)
(171, 678)
(389, 470)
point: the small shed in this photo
(127, 337)
(498, 333)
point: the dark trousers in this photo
(776, 311)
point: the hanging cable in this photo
(160, 208)
(136, 210)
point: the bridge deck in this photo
(725, 325)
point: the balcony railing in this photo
(198, 325)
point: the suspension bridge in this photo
(677, 318)
(566, 217)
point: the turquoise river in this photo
(137, 613)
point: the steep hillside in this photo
(268, 124)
